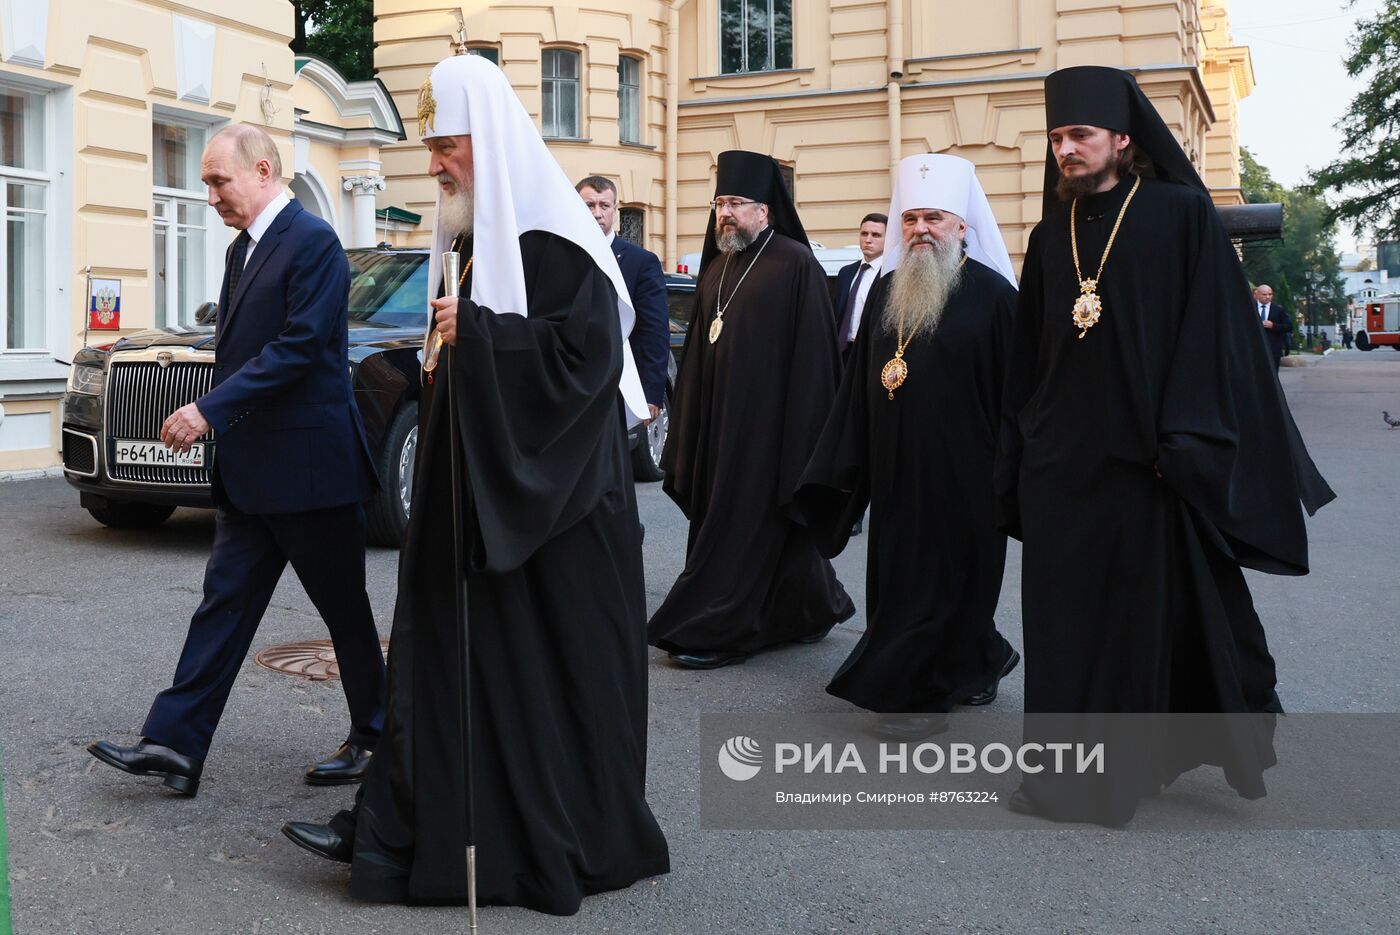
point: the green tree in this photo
(340, 31)
(1304, 265)
(1366, 177)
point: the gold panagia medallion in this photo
(716, 327)
(893, 374)
(427, 106)
(1088, 308)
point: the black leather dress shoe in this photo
(321, 840)
(708, 660)
(907, 727)
(344, 766)
(151, 759)
(989, 694)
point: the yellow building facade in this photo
(836, 90)
(105, 107)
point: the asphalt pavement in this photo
(92, 620)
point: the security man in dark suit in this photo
(853, 282)
(641, 270)
(1275, 321)
(290, 474)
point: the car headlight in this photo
(87, 379)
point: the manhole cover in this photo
(310, 659)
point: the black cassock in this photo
(923, 462)
(1132, 593)
(556, 609)
(747, 413)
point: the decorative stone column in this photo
(362, 190)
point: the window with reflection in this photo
(629, 99)
(23, 235)
(180, 219)
(559, 112)
(755, 35)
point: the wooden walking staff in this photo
(451, 283)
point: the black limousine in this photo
(119, 395)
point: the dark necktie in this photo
(843, 330)
(237, 261)
(1263, 312)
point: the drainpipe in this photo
(673, 96)
(894, 63)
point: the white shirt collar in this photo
(259, 227)
(874, 264)
(611, 235)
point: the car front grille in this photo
(140, 395)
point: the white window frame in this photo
(48, 361)
(636, 89)
(168, 198)
(576, 83)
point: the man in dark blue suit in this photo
(853, 282)
(641, 270)
(1274, 319)
(290, 473)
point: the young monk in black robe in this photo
(1147, 452)
(916, 440)
(756, 383)
(553, 568)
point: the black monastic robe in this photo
(746, 416)
(1141, 467)
(923, 463)
(556, 610)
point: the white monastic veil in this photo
(518, 187)
(948, 183)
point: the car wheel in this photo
(387, 514)
(646, 456)
(120, 515)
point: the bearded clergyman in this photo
(546, 778)
(1146, 454)
(757, 379)
(913, 435)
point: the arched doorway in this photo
(313, 196)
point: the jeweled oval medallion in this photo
(716, 327)
(893, 374)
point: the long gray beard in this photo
(457, 213)
(921, 287)
(736, 240)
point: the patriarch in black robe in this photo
(553, 567)
(757, 379)
(918, 445)
(1147, 455)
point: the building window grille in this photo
(632, 225)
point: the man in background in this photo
(853, 282)
(1275, 321)
(651, 335)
